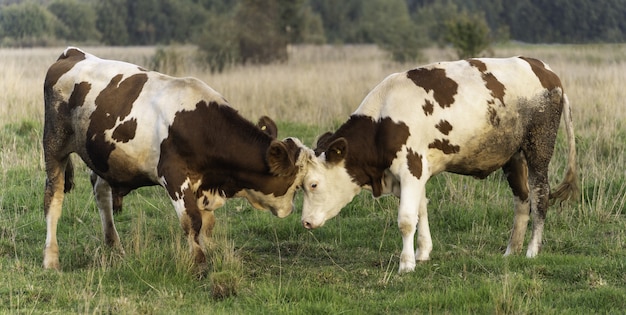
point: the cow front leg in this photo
(191, 220)
(206, 232)
(407, 222)
(103, 194)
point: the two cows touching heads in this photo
(136, 128)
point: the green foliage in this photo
(218, 46)
(398, 26)
(256, 32)
(388, 24)
(469, 35)
(167, 60)
(111, 22)
(261, 40)
(27, 24)
(79, 19)
(566, 21)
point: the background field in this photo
(265, 265)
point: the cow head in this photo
(327, 185)
(286, 160)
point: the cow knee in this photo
(407, 224)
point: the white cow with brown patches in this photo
(135, 128)
(469, 117)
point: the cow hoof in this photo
(53, 265)
(407, 263)
(405, 269)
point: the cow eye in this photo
(313, 186)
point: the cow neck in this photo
(372, 146)
(227, 151)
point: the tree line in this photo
(260, 30)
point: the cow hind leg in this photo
(53, 204)
(103, 195)
(540, 193)
(538, 154)
(516, 171)
(424, 240)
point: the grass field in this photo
(265, 265)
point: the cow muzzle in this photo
(310, 225)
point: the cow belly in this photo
(130, 169)
(479, 155)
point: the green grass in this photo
(266, 265)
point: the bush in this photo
(468, 34)
(27, 24)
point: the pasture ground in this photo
(265, 265)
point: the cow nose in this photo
(307, 225)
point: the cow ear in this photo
(322, 141)
(268, 126)
(337, 150)
(281, 157)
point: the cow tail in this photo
(568, 189)
(69, 176)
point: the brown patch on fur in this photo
(495, 86)
(224, 149)
(64, 63)
(414, 161)
(79, 93)
(548, 79)
(113, 103)
(125, 131)
(428, 108)
(444, 89)
(372, 146)
(444, 127)
(491, 83)
(493, 117)
(445, 146)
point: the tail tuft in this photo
(567, 190)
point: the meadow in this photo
(264, 265)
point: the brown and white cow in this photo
(468, 117)
(134, 128)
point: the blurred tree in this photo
(468, 34)
(339, 19)
(312, 31)
(111, 22)
(78, 17)
(388, 24)
(143, 19)
(298, 22)
(218, 42)
(431, 19)
(261, 37)
(27, 23)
